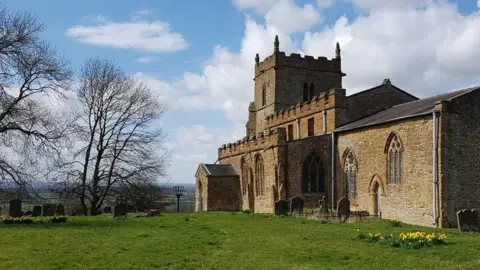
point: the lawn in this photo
(222, 241)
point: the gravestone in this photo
(323, 209)
(468, 220)
(15, 209)
(49, 209)
(107, 210)
(343, 209)
(37, 211)
(281, 207)
(60, 211)
(296, 205)
(121, 207)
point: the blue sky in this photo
(206, 78)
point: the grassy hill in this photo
(222, 241)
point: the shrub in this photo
(247, 211)
(395, 222)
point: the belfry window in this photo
(313, 175)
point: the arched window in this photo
(394, 151)
(259, 176)
(350, 169)
(313, 175)
(311, 91)
(305, 92)
(244, 177)
(264, 94)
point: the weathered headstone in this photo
(49, 209)
(121, 207)
(343, 209)
(15, 208)
(107, 210)
(60, 211)
(296, 205)
(154, 213)
(37, 211)
(281, 207)
(323, 209)
(468, 220)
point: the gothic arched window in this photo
(244, 177)
(305, 92)
(394, 150)
(259, 176)
(350, 169)
(313, 175)
(311, 91)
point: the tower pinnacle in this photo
(276, 45)
(337, 51)
(257, 59)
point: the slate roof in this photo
(219, 169)
(403, 111)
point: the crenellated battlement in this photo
(308, 62)
(325, 101)
(259, 141)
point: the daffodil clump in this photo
(395, 222)
(409, 240)
(33, 220)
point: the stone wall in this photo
(249, 198)
(412, 200)
(224, 193)
(297, 152)
(459, 156)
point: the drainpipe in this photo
(298, 128)
(333, 171)
(324, 121)
(435, 166)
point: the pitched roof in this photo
(404, 110)
(219, 169)
(385, 84)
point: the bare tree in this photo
(117, 137)
(143, 193)
(31, 72)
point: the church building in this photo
(390, 153)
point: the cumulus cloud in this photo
(146, 59)
(424, 47)
(155, 36)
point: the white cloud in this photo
(424, 47)
(478, 3)
(142, 35)
(324, 3)
(139, 14)
(98, 18)
(146, 59)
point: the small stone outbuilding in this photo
(218, 188)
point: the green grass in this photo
(221, 241)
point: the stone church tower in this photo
(282, 81)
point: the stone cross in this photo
(323, 209)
